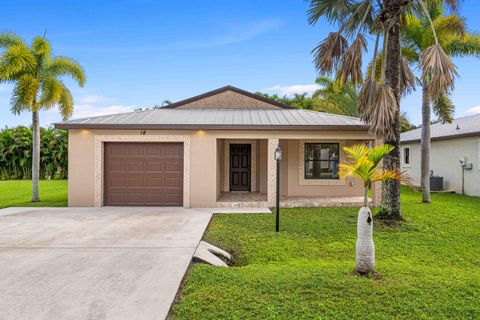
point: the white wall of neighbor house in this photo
(444, 161)
(206, 168)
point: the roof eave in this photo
(208, 127)
(450, 137)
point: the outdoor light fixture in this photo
(278, 157)
(278, 153)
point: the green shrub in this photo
(16, 153)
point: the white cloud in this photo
(290, 90)
(474, 110)
(90, 110)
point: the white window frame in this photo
(409, 164)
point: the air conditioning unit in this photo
(436, 183)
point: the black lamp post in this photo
(278, 157)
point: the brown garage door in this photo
(143, 174)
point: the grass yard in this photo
(429, 266)
(18, 193)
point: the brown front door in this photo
(143, 174)
(240, 160)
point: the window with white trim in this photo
(321, 160)
(406, 155)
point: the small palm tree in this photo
(35, 74)
(364, 163)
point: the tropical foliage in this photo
(364, 163)
(16, 153)
(417, 36)
(37, 86)
(333, 96)
(341, 53)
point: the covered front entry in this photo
(240, 167)
(143, 174)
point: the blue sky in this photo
(139, 53)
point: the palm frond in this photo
(376, 154)
(466, 45)
(354, 153)
(52, 90)
(66, 103)
(439, 72)
(366, 100)
(412, 31)
(333, 10)
(24, 94)
(10, 39)
(41, 49)
(407, 78)
(16, 59)
(401, 176)
(351, 64)
(444, 108)
(362, 18)
(383, 112)
(445, 27)
(61, 66)
(329, 52)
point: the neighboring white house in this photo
(451, 142)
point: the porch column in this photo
(272, 172)
(377, 186)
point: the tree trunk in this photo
(365, 197)
(365, 248)
(35, 156)
(425, 145)
(391, 189)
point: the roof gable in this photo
(228, 97)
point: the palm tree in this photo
(379, 102)
(336, 97)
(35, 74)
(363, 163)
(417, 36)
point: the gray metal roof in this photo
(266, 119)
(461, 127)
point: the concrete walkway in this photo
(103, 263)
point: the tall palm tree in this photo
(35, 74)
(417, 37)
(379, 102)
(364, 163)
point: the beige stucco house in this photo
(450, 143)
(213, 150)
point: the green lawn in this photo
(429, 266)
(18, 193)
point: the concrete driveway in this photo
(102, 263)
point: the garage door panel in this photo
(117, 149)
(117, 165)
(117, 181)
(133, 182)
(134, 149)
(135, 165)
(144, 174)
(155, 166)
(153, 182)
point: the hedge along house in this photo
(213, 150)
